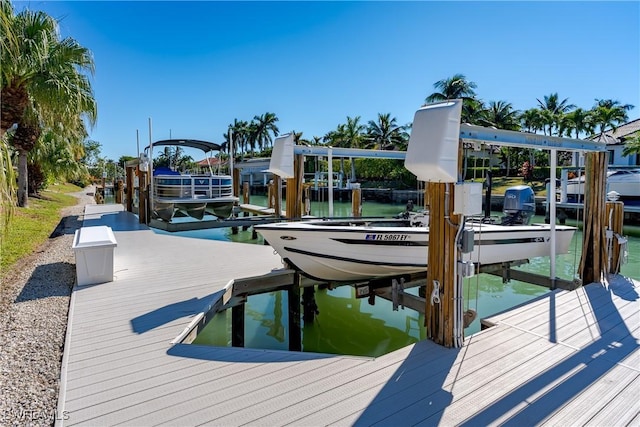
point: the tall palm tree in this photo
(385, 133)
(43, 84)
(610, 103)
(474, 112)
(240, 135)
(265, 128)
(607, 117)
(553, 109)
(353, 132)
(531, 120)
(455, 87)
(501, 115)
(578, 121)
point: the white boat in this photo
(191, 194)
(359, 249)
(625, 182)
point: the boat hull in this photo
(221, 207)
(356, 253)
(624, 182)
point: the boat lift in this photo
(434, 158)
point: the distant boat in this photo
(191, 194)
(625, 182)
(359, 249)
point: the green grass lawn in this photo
(30, 227)
(500, 184)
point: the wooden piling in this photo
(615, 221)
(295, 331)
(593, 261)
(291, 199)
(245, 193)
(130, 189)
(356, 202)
(277, 196)
(441, 279)
(143, 197)
(237, 325)
(270, 195)
(294, 205)
(119, 190)
(245, 200)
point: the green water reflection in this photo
(347, 325)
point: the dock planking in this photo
(569, 357)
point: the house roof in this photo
(213, 160)
(621, 133)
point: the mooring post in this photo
(293, 296)
(441, 280)
(119, 191)
(277, 192)
(615, 221)
(356, 202)
(593, 258)
(143, 197)
(245, 200)
(130, 189)
(290, 206)
(237, 325)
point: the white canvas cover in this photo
(281, 163)
(432, 154)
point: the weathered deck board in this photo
(566, 358)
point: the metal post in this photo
(330, 180)
(552, 217)
(150, 170)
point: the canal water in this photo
(349, 325)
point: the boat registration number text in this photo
(393, 237)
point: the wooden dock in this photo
(568, 358)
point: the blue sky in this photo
(194, 67)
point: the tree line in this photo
(48, 106)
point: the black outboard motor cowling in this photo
(519, 205)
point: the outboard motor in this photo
(519, 205)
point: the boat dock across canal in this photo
(567, 358)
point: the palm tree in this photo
(265, 127)
(607, 115)
(353, 132)
(531, 120)
(175, 158)
(632, 145)
(578, 121)
(474, 112)
(456, 87)
(56, 156)
(501, 115)
(610, 103)
(42, 85)
(7, 179)
(385, 133)
(553, 109)
(240, 136)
